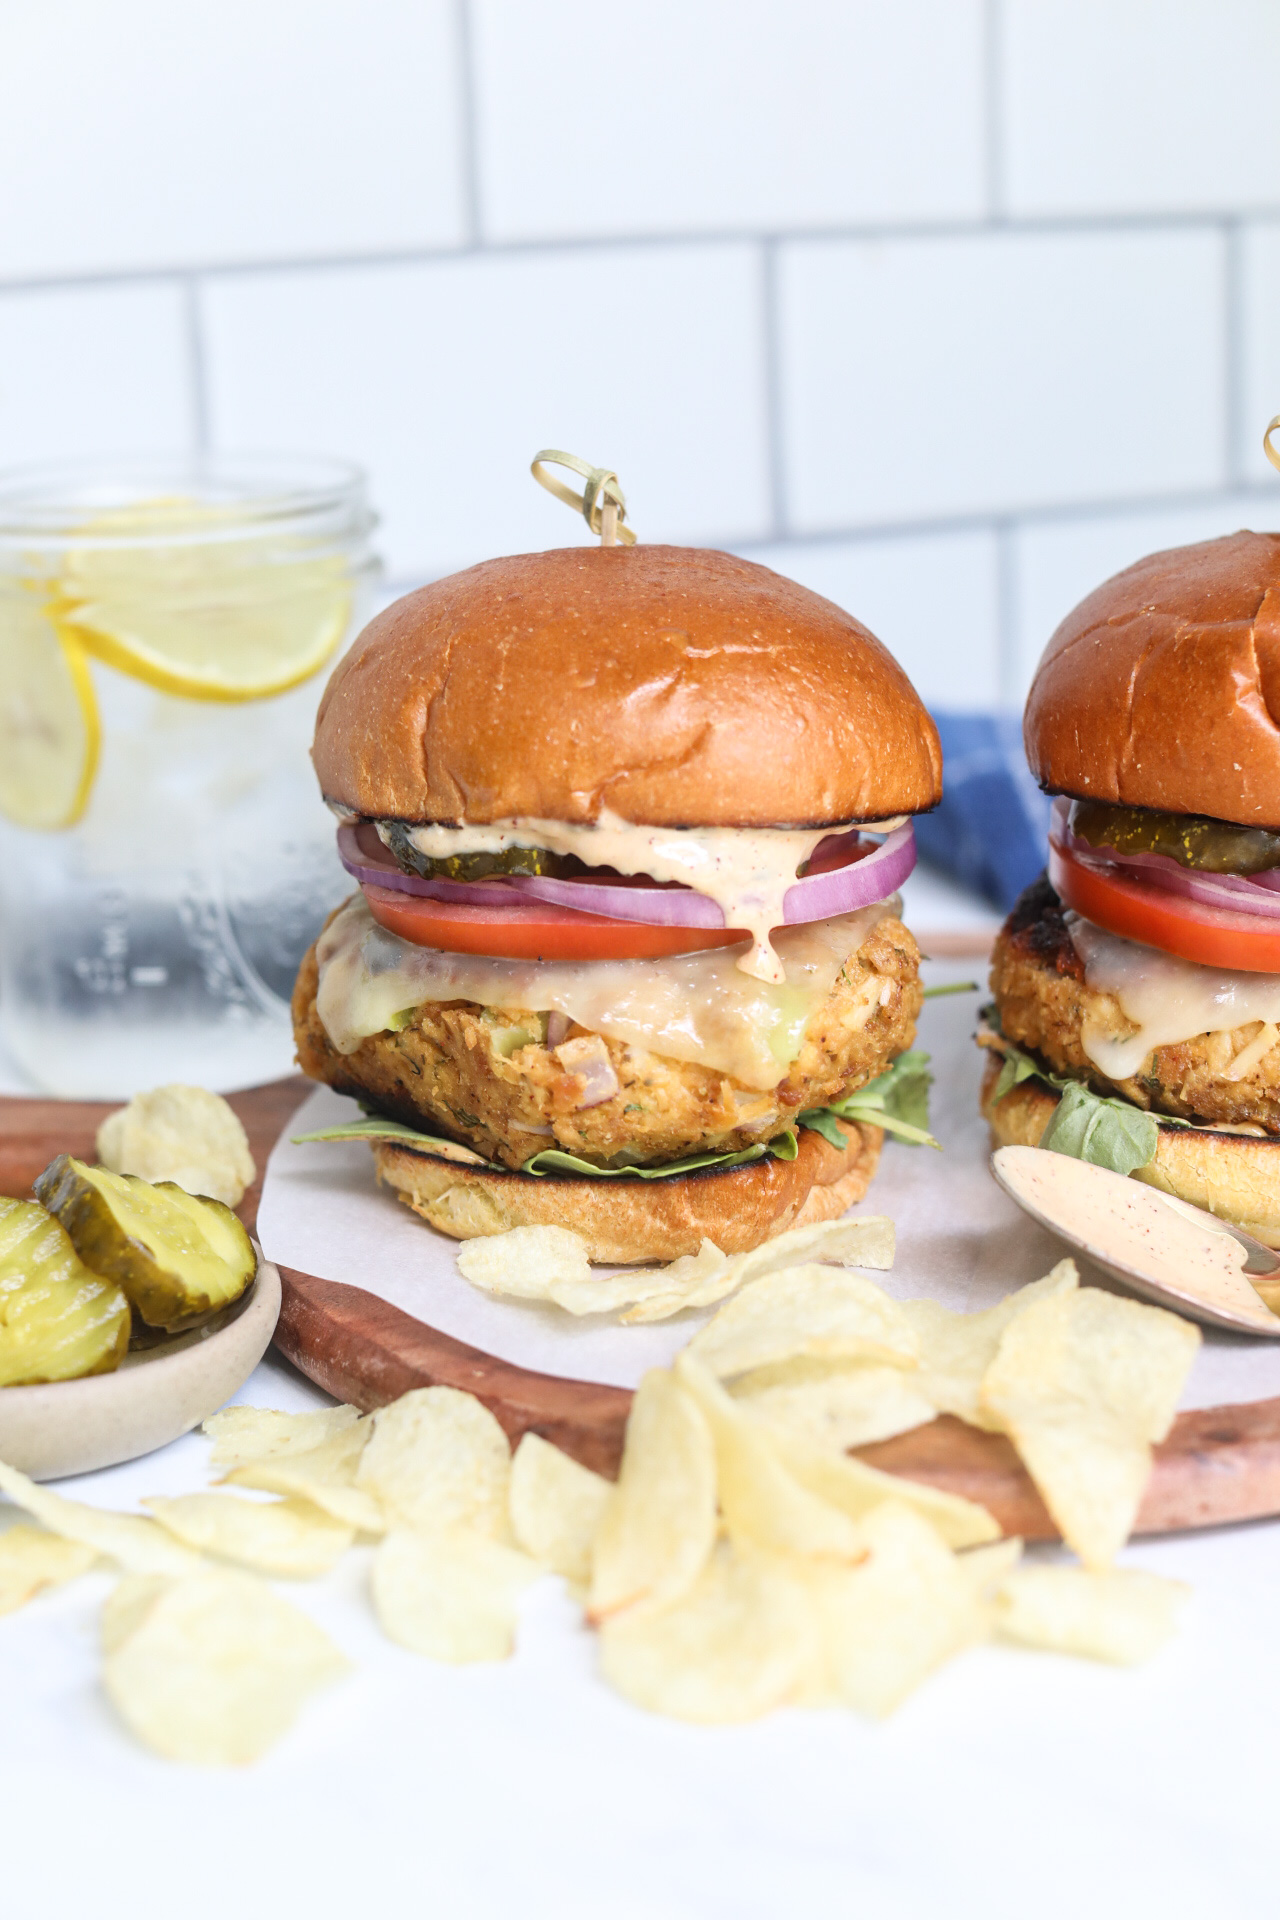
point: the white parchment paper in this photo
(960, 1240)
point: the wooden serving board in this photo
(1218, 1464)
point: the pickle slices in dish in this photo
(179, 1259)
(58, 1321)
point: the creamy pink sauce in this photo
(1130, 1225)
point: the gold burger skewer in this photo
(602, 503)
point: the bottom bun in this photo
(1235, 1175)
(627, 1220)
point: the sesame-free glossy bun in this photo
(674, 686)
(1162, 688)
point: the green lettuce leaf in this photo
(783, 1146)
(1107, 1133)
(898, 1101)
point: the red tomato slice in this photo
(1238, 942)
(535, 932)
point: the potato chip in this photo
(324, 1475)
(31, 1559)
(835, 1403)
(438, 1458)
(763, 1503)
(957, 1348)
(865, 1241)
(127, 1606)
(183, 1134)
(451, 1594)
(525, 1263)
(1122, 1615)
(855, 1488)
(241, 1434)
(138, 1545)
(987, 1567)
(556, 1507)
(291, 1539)
(813, 1311)
(659, 1522)
(216, 1668)
(890, 1622)
(740, 1642)
(1085, 1383)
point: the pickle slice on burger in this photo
(627, 826)
(1141, 975)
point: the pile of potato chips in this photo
(742, 1561)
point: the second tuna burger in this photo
(628, 826)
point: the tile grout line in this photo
(197, 364)
(772, 349)
(469, 155)
(1066, 225)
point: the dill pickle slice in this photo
(58, 1321)
(1192, 839)
(397, 838)
(179, 1259)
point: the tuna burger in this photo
(627, 825)
(1137, 984)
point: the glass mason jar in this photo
(165, 858)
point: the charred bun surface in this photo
(675, 686)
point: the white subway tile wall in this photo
(947, 308)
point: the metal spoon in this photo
(1123, 1226)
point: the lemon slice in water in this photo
(49, 731)
(201, 616)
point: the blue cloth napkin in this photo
(989, 832)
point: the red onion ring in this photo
(1229, 892)
(863, 879)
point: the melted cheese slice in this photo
(696, 1007)
(1165, 999)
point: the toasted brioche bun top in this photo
(1162, 689)
(675, 686)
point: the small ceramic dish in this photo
(74, 1426)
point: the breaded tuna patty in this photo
(1038, 981)
(454, 1069)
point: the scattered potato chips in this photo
(740, 1642)
(659, 1523)
(889, 1622)
(866, 1240)
(289, 1538)
(324, 1475)
(835, 1403)
(856, 1489)
(1122, 1615)
(807, 1311)
(451, 1594)
(1085, 1383)
(986, 1567)
(31, 1559)
(763, 1504)
(137, 1545)
(127, 1606)
(215, 1667)
(242, 1434)
(437, 1458)
(183, 1134)
(550, 1264)
(957, 1348)
(556, 1507)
